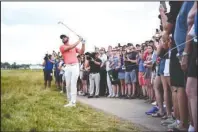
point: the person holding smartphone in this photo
(48, 64)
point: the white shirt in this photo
(107, 66)
(61, 71)
(103, 58)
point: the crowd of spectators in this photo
(162, 71)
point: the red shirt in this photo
(70, 55)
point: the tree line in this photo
(6, 65)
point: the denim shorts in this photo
(130, 77)
(121, 75)
(161, 66)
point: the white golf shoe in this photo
(70, 105)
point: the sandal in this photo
(177, 129)
(157, 115)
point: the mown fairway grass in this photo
(26, 106)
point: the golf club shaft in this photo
(69, 28)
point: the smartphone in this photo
(157, 31)
(163, 3)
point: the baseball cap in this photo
(63, 36)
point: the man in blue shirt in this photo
(181, 26)
(190, 64)
(48, 64)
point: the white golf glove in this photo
(80, 38)
(83, 41)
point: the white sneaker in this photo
(61, 91)
(154, 103)
(117, 96)
(113, 96)
(80, 93)
(191, 129)
(109, 96)
(70, 105)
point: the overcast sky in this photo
(30, 29)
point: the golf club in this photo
(68, 28)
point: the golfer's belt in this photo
(71, 64)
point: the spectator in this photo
(94, 76)
(113, 73)
(61, 75)
(148, 72)
(79, 82)
(54, 58)
(130, 74)
(158, 84)
(48, 64)
(121, 75)
(154, 59)
(109, 85)
(57, 72)
(191, 67)
(138, 48)
(84, 76)
(141, 74)
(103, 73)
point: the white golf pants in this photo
(71, 77)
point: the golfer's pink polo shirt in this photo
(70, 55)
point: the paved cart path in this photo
(132, 110)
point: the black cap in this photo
(63, 36)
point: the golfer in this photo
(69, 53)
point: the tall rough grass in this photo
(27, 106)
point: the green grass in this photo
(26, 106)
